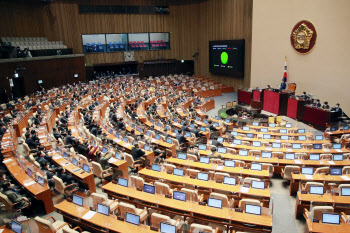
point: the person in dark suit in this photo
(94, 130)
(136, 152)
(68, 179)
(31, 143)
(34, 136)
(120, 124)
(325, 106)
(49, 172)
(70, 140)
(103, 159)
(304, 96)
(14, 197)
(283, 85)
(338, 110)
(184, 128)
(195, 131)
(37, 120)
(317, 104)
(56, 134)
(181, 138)
(215, 142)
(211, 126)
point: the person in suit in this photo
(196, 131)
(304, 96)
(56, 134)
(103, 159)
(338, 110)
(136, 152)
(63, 119)
(325, 106)
(215, 142)
(317, 104)
(70, 140)
(34, 136)
(283, 85)
(181, 138)
(31, 143)
(184, 128)
(14, 197)
(37, 120)
(49, 172)
(211, 126)
(120, 124)
(68, 179)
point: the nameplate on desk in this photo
(315, 220)
(168, 196)
(112, 160)
(244, 190)
(303, 192)
(116, 140)
(201, 203)
(139, 189)
(277, 140)
(29, 183)
(297, 161)
(232, 145)
(219, 167)
(268, 148)
(289, 150)
(296, 172)
(218, 181)
(338, 150)
(57, 157)
(153, 140)
(154, 229)
(238, 210)
(65, 164)
(120, 218)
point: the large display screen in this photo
(226, 57)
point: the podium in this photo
(244, 97)
(275, 102)
(295, 109)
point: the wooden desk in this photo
(35, 190)
(295, 109)
(22, 123)
(275, 102)
(274, 134)
(280, 141)
(314, 227)
(318, 116)
(224, 216)
(338, 133)
(74, 214)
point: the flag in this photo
(285, 70)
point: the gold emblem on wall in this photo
(303, 37)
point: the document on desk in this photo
(153, 140)
(345, 177)
(112, 160)
(331, 162)
(277, 140)
(65, 164)
(7, 160)
(338, 150)
(309, 177)
(29, 183)
(57, 157)
(289, 150)
(219, 167)
(244, 190)
(89, 215)
(297, 161)
(232, 145)
(116, 140)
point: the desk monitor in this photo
(318, 190)
(152, 121)
(266, 154)
(16, 226)
(220, 139)
(276, 145)
(272, 125)
(167, 228)
(333, 129)
(346, 127)
(314, 157)
(202, 147)
(256, 166)
(202, 176)
(234, 133)
(345, 191)
(257, 143)
(230, 180)
(296, 146)
(132, 218)
(222, 150)
(338, 157)
(284, 137)
(229, 163)
(140, 129)
(105, 149)
(246, 128)
(227, 120)
(253, 209)
(148, 133)
(122, 182)
(117, 156)
(166, 128)
(216, 124)
(111, 131)
(188, 134)
(336, 171)
(267, 136)
(319, 137)
(301, 130)
(217, 118)
(283, 130)
(156, 167)
(168, 140)
(159, 124)
(258, 184)
(178, 172)
(289, 125)
(147, 148)
(264, 130)
(41, 181)
(290, 156)
(255, 123)
(197, 119)
(182, 156)
(250, 135)
(307, 170)
(336, 146)
(149, 188)
(182, 122)
(181, 196)
(205, 121)
(203, 129)
(78, 200)
(213, 202)
(237, 141)
(75, 162)
(331, 218)
(243, 152)
(192, 125)
(175, 119)
(86, 167)
(102, 209)
(117, 134)
(302, 138)
(204, 159)
(29, 172)
(317, 146)
(65, 155)
(157, 136)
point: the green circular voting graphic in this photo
(224, 58)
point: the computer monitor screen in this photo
(301, 130)
(338, 157)
(104, 149)
(122, 182)
(132, 218)
(227, 120)
(307, 170)
(284, 137)
(159, 125)
(178, 172)
(40, 180)
(314, 157)
(318, 190)
(229, 180)
(253, 209)
(202, 176)
(157, 136)
(156, 167)
(149, 188)
(266, 154)
(243, 152)
(255, 123)
(147, 148)
(222, 150)
(192, 125)
(336, 171)
(133, 126)
(75, 162)
(140, 129)
(29, 172)
(258, 184)
(229, 163)
(202, 147)
(302, 138)
(333, 129)
(220, 139)
(276, 145)
(16, 226)
(181, 196)
(256, 166)
(331, 218)
(167, 228)
(147, 133)
(168, 140)
(267, 136)
(288, 125)
(250, 135)
(86, 167)
(78, 200)
(175, 119)
(182, 156)
(246, 128)
(283, 131)
(117, 156)
(257, 143)
(345, 191)
(65, 155)
(188, 134)
(336, 146)
(319, 137)
(296, 146)
(205, 121)
(234, 133)
(217, 118)
(203, 129)
(289, 156)
(182, 122)
(272, 125)
(203, 159)
(264, 130)
(346, 127)
(216, 124)
(102, 209)
(317, 146)
(237, 141)
(213, 202)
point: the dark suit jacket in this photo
(32, 145)
(14, 198)
(185, 128)
(103, 160)
(137, 153)
(181, 138)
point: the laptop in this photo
(203, 129)
(272, 125)
(258, 184)
(16, 226)
(102, 209)
(345, 191)
(264, 130)
(105, 149)
(216, 203)
(188, 134)
(122, 182)
(296, 146)
(157, 137)
(257, 144)
(29, 172)
(331, 218)
(336, 146)
(246, 128)
(132, 218)
(202, 147)
(255, 123)
(346, 127)
(276, 145)
(237, 141)
(178, 172)
(75, 162)
(222, 150)
(182, 156)
(333, 129)
(229, 180)
(290, 156)
(336, 171)
(86, 167)
(229, 163)
(227, 120)
(168, 140)
(117, 134)
(284, 137)
(192, 125)
(314, 157)
(243, 152)
(338, 157)
(220, 139)
(156, 167)
(307, 170)
(180, 196)
(202, 176)
(117, 156)
(317, 190)
(283, 131)
(301, 130)
(217, 118)
(302, 138)
(256, 166)
(250, 135)
(234, 133)
(78, 200)
(252, 209)
(147, 148)
(266, 154)
(167, 228)
(149, 188)
(216, 124)
(266, 136)
(319, 137)
(65, 155)
(203, 159)
(289, 125)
